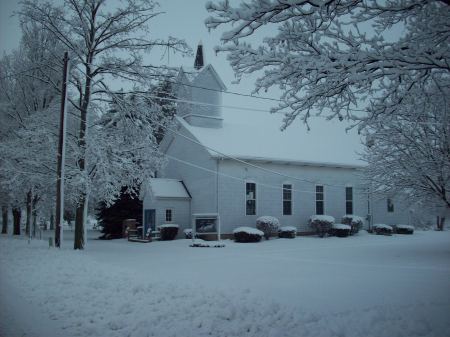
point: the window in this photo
(168, 215)
(287, 199)
(250, 198)
(319, 200)
(349, 200)
(390, 205)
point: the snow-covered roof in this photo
(192, 73)
(168, 188)
(257, 137)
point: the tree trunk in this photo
(28, 219)
(79, 224)
(16, 217)
(4, 220)
(52, 221)
(34, 214)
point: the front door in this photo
(149, 220)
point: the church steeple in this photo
(199, 60)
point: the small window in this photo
(390, 206)
(250, 198)
(168, 215)
(349, 200)
(287, 199)
(319, 200)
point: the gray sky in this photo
(182, 19)
(185, 19)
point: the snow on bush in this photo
(188, 233)
(168, 231)
(341, 230)
(404, 229)
(356, 222)
(287, 232)
(322, 224)
(268, 225)
(247, 234)
(382, 229)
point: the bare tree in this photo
(337, 57)
(103, 43)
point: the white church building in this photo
(228, 167)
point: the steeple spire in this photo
(199, 59)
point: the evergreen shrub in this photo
(247, 234)
(321, 224)
(354, 221)
(168, 232)
(268, 225)
(287, 232)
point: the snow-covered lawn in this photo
(366, 285)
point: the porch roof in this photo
(168, 188)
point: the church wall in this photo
(200, 183)
(269, 199)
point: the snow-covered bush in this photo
(354, 221)
(341, 230)
(287, 232)
(403, 229)
(268, 225)
(382, 229)
(247, 234)
(321, 224)
(188, 233)
(168, 232)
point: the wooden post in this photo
(61, 157)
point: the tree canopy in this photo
(353, 59)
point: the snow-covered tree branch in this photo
(336, 58)
(409, 152)
(106, 47)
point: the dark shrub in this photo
(341, 230)
(321, 224)
(354, 221)
(247, 234)
(268, 225)
(168, 232)
(287, 232)
(404, 229)
(108, 236)
(381, 229)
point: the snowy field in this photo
(365, 285)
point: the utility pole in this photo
(61, 157)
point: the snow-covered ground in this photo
(365, 285)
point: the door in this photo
(149, 220)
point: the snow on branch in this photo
(336, 58)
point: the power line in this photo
(234, 177)
(223, 91)
(206, 104)
(243, 161)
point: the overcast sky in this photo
(185, 19)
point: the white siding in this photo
(269, 200)
(207, 80)
(180, 211)
(200, 184)
(381, 215)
